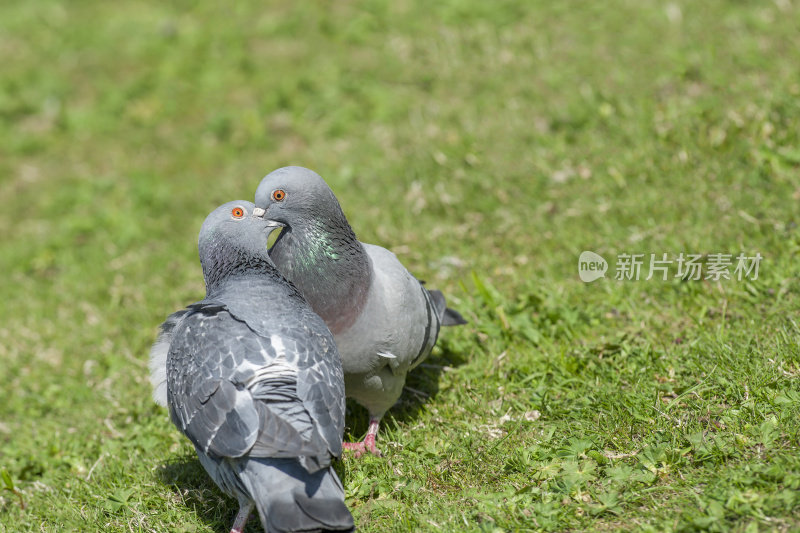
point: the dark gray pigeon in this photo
(384, 321)
(253, 379)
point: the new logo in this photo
(591, 266)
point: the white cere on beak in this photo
(258, 212)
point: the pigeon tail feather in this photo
(453, 318)
(447, 316)
(288, 498)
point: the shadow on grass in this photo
(198, 492)
(422, 384)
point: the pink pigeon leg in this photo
(241, 517)
(369, 441)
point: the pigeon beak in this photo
(260, 213)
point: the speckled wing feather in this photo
(235, 391)
(308, 346)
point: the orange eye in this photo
(237, 212)
(278, 195)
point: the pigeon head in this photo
(317, 249)
(295, 196)
(232, 241)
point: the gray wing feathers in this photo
(319, 386)
(438, 300)
(206, 388)
(288, 431)
(326, 405)
(224, 421)
(432, 325)
(231, 393)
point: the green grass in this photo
(487, 144)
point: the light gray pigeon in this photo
(384, 321)
(254, 380)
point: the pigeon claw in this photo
(360, 448)
(368, 445)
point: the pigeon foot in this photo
(368, 445)
(241, 518)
